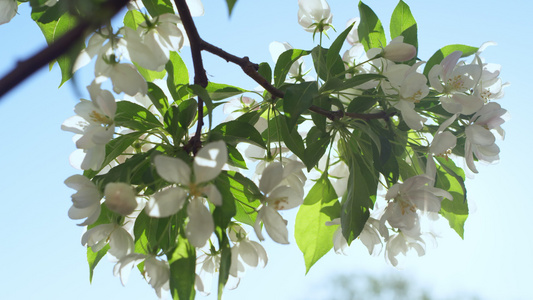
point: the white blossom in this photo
(120, 241)
(150, 44)
(455, 80)
(86, 201)
(93, 125)
(311, 13)
(120, 198)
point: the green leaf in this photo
(298, 98)
(317, 143)
(361, 104)
(451, 178)
(231, 4)
(225, 259)
(235, 131)
(187, 112)
(437, 58)
(335, 84)
(312, 235)
(403, 23)
(284, 63)
(182, 263)
(235, 157)
(178, 76)
(54, 22)
(218, 91)
(242, 192)
(293, 140)
(158, 7)
(325, 71)
(93, 258)
(150, 75)
(133, 18)
(370, 30)
(361, 192)
(158, 98)
(114, 148)
(265, 71)
(333, 55)
(136, 117)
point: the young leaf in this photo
(317, 143)
(54, 22)
(243, 192)
(94, 258)
(312, 235)
(436, 58)
(136, 117)
(265, 71)
(325, 71)
(231, 4)
(403, 23)
(158, 98)
(298, 98)
(333, 57)
(133, 18)
(158, 7)
(235, 131)
(187, 112)
(284, 63)
(370, 30)
(451, 178)
(182, 263)
(225, 259)
(218, 91)
(361, 193)
(177, 75)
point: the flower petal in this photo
(209, 161)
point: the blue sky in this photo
(43, 257)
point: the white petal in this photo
(272, 176)
(275, 225)
(166, 202)
(120, 242)
(209, 161)
(201, 224)
(284, 197)
(213, 194)
(125, 265)
(120, 198)
(172, 169)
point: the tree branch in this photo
(26, 68)
(250, 69)
(200, 76)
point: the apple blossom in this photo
(479, 138)
(410, 88)
(120, 198)
(120, 241)
(150, 44)
(207, 166)
(455, 80)
(314, 15)
(157, 272)
(86, 201)
(93, 125)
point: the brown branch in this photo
(26, 68)
(250, 69)
(200, 76)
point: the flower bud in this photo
(120, 198)
(399, 52)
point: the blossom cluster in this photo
(376, 130)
